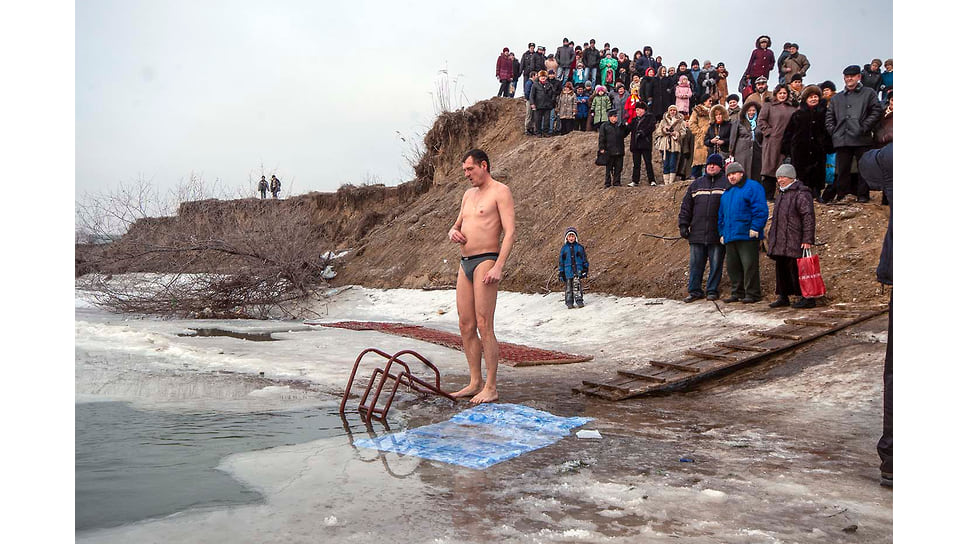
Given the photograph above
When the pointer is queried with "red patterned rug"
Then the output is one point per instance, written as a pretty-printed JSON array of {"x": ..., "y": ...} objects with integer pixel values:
[{"x": 510, "y": 354}]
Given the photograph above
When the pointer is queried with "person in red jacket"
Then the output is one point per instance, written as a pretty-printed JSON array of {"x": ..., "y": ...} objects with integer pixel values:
[
  {"x": 761, "y": 62},
  {"x": 505, "y": 72}
]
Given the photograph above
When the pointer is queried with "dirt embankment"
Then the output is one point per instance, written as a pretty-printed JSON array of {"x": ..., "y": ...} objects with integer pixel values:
[{"x": 398, "y": 234}]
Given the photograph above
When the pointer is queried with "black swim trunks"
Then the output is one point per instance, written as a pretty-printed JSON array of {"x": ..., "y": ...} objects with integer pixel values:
[{"x": 468, "y": 264}]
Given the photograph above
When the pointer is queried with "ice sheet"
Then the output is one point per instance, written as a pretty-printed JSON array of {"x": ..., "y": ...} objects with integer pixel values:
[{"x": 480, "y": 437}]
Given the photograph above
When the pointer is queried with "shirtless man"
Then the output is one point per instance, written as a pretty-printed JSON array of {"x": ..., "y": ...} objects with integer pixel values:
[{"x": 485, "y": 210}]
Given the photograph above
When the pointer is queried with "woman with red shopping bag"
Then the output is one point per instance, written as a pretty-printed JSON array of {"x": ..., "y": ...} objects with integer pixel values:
[{"x": 791, "y": 232}]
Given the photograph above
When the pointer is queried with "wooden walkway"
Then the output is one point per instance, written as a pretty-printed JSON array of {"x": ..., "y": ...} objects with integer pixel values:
[{"x": 699, "y": 364}]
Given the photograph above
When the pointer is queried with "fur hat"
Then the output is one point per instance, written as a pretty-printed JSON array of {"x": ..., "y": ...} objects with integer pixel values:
[
  {"x": 571, "y": 230},
  {"x": 732, "y": 97},
  {"x": 808, "y": 91},
  {"x": 735, "y": 166},
  {"x": 786, "y": 171},
  {"x": 828, "y": 85},
  {"x": 543, "y": 73}
]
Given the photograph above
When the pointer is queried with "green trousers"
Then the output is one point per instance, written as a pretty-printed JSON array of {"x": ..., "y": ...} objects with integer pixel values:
[{"x": 743, "y": 267}]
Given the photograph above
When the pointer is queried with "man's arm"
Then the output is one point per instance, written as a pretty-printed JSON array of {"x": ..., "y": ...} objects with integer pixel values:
[
  {"x": 505, "y": 210},
  {"x": 455, "y": 235}
]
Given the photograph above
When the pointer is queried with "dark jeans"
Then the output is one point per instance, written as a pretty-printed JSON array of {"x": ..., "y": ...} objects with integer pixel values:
[
  {"x": 787, "y": 276},
  {"x": 637, "y": 157},
  {"x": 542, "y": 121},
  {"x": 743, "y": 267},
  {"x": 885, "y": 446},
  {"x": 845, "y": 158},
  {"x": 696, "y": 172},
  {"x": 581, "y": 124},
  {"x": 505, "y": 89},
  {"x": 613, "y": 170},
  {"x": 699, "y": 255},
  {"x": 669, "y": 161},
  {"x": 573, "y": 292}
]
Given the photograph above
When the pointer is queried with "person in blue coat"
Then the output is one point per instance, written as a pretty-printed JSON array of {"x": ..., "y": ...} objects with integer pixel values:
[
  {"x": 742, "y": 216},
  {"x": 572, "y": 266}
]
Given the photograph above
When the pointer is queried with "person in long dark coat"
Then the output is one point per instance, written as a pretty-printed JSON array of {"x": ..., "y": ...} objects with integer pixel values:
[
  {"x": 775, "y": 116},
  {"x": 792, "y": 230},
  {"x": 807, "y": 142},
  {"x": 663, "y": 96},
  {"x": 746, "y": 139}
]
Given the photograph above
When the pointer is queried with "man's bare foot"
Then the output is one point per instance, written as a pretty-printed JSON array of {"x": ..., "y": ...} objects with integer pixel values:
[
  {"x": 486, "y": 395},
  {"x": 468, "y": 391}
]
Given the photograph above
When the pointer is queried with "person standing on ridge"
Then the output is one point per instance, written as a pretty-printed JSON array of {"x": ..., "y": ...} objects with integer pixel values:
[
  {"x": 263, "y": 187},
  {"x": 486, "y": 210},
  {"x": 275, "y": 186}
]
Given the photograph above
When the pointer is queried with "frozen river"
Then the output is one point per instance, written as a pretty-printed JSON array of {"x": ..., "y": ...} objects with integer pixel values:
[{"x": 227, "y": 439}]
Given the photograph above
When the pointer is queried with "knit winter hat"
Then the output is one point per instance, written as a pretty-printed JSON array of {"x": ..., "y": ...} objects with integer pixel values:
[
  {"x": 716, "y": 159},
  {"x": 735, "y": 167},
  {"x": 571, "y": 230},
  {"x": 786, "y": 171}
]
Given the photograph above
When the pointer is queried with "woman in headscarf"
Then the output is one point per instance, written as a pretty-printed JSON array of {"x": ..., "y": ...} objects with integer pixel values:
[
  {"x": 774, "y": 118},
  {"x": 745, "y": 139}
]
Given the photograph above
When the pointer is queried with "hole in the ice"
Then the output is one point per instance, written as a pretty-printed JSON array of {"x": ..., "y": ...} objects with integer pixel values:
[{"x": 253, "y": 336}]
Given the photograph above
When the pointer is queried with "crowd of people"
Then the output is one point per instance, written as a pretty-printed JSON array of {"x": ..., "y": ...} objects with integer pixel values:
[{"x": 688, "y": 113}]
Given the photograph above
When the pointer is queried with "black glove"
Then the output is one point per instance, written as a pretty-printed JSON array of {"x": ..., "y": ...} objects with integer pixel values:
[
  {"x": 584, "y": 274},
  {"x": 561, "y": 276},
  {"x": 684, "y": 232}
]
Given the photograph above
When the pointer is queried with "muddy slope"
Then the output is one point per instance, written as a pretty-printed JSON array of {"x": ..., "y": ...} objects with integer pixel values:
[{"x": 556, "y": 185}]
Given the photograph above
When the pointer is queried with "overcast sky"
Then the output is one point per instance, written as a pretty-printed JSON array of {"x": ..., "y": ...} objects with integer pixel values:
[{"x": 317, "y": 91}]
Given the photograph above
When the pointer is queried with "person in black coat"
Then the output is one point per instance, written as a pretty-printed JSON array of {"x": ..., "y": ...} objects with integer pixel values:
[
  {"x": 611, "y": 143},
  {"x": 647, "y": 87},
  {"x": 807, "y": 142},
  {"x": 516, "y": 73},
  {"x": 717, "y": 135},
  {"x": 877, "y": 167},
  {"x": 699, "y": 224},
  {"x": 640, "y": 144}
]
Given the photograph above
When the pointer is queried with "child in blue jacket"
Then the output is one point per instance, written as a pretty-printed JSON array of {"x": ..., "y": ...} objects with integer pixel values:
[{"x": 572, "y": 266}]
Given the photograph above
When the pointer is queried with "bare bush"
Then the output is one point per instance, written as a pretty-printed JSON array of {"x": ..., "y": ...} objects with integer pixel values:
[{"x": 248, "y": 258}]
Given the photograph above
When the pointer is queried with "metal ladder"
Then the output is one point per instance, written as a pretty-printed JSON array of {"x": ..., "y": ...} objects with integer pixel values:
[{"x": 403, "y": 375}]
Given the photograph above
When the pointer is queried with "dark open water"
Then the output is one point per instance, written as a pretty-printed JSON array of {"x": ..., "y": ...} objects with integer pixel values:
[{"x": 133, "y": 464}]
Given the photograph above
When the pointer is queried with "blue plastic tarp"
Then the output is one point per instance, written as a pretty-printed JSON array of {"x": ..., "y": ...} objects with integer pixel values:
[{"x": 480, "y": 437}]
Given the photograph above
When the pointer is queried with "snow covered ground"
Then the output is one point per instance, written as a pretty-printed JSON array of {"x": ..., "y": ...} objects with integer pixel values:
[{"x": 777, "y": 457}]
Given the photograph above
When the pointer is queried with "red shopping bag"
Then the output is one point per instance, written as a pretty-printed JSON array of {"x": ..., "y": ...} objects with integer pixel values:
[{"x": 811, "y": 283}]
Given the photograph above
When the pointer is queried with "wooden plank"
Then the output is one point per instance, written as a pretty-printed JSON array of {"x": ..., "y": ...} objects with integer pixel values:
[
  {"x": 773, "y": 334},
  {"x": 837, "y": 314},
  {"x": 605, "y": 386},
  {"x": 646, "y": 377},
  {"x": 676, "y": 366},
  {"x": 670, "y": 376},
  {"x": 742, "y": 347},
  {"x": 709, "y": 355},
  {"x": 810, "y": 322}
]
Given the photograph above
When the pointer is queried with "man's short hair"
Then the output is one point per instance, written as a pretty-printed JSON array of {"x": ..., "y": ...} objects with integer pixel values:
[{"x": 478, "y": 156}]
